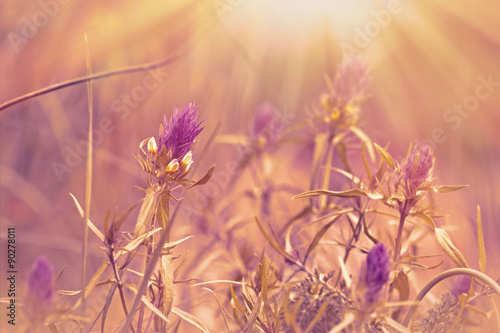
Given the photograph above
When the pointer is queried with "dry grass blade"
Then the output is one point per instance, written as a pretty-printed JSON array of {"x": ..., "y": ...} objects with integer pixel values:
[
  {"x": 88, "y": 174},
  {"x": 352, "y": 193},
  {"x": 480, "y": 240},
  {"x": 253, "y": 316},
  {"x": 146, "y": 213},
  {"x": 319, "y": 235},
  {"x": 154, "y": 309},
  {"x": 448, "y": 188},
  {"x": 366, "y": 140},
  {"x": 206, "y": 177},
  {"x": 385, "y": 155},
  {"x": 136, "y": 242},
  {"x": 91, "y": 225},
  {"x": 446, "y": 244},
  {"x": 427, "y": 219},
  {"x": 274, "y": 245},
  {"x": 220, "y": 307},
  {"x": 91, "y": 285},
  {"x": 190, "y": 319}
]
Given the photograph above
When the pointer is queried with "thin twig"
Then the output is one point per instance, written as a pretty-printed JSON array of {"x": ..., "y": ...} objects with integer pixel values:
[
  {"x": 101, "y": 75},
  {"x": 120, "y": 287}
]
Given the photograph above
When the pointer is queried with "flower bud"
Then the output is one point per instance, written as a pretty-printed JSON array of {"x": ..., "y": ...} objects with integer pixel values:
[
  {"x": 172, "y": 166},
  {"x": 152, "y": 146}
]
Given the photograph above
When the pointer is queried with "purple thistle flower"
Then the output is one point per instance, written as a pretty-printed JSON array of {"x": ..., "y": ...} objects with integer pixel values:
[
  {"x": 352, "y": 80},
  {"x": 376, "y": 272},
  {"x": 416, "y": 170},
  {"x": 178, "y": 135},
  {"x": 40, "y": 281}
]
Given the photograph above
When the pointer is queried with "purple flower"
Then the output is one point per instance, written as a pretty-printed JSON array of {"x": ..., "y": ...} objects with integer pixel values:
[
  {"x": 376, "y": 272},
  {"x": 416, "y": 170},
  {"x": 178, "y": 135},
  {"x": 460, "y": 286},
  {"x": 352, "y": 80},
  {"x": 264, "y": 120},
  {"x": 40, "y": 281}
]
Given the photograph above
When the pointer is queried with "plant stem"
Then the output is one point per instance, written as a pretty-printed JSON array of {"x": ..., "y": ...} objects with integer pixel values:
[
  {"x": 101, "y": 75},
  {"x": 119, "y": 284},
  {"x": 397, "y": 248}
]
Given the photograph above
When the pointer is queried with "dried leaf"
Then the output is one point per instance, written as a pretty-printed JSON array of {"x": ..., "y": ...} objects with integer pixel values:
[
  {"x": 366, "y": 140},
  {"x": 319, "y": 235},
  {"x": 136, "y": 242},
  {"x": 275, "y": 245},
  {"x": 205, "y": 178},
  {"x": 448, "y": 188},
  {"x": 427, "y": 219},
  {"x": 167, "y": 278},
  {"x": 148, "y": 209},
  {"x": 220, "y": 307},
  {"x": 90, "y": 224},
  {"x": 190, "y": 319},
  {"x": 447, "y": 245},
  {"x": 163, "y": 211},
  {"x": 235, "y": 300},
  {"x": 253, "y": 316},
  {"x": 385, "y": 155},
  {"x": 92, "y": 283},
  {"x": 355, "y": 192},
  {"x": 482, "y": 250},
  {"x": 420, "y": 266},
  {"x": 154, "y": 309}
]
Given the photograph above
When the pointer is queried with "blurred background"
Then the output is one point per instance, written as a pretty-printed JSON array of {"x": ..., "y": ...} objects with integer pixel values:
[{"x": 435, "y": 79}]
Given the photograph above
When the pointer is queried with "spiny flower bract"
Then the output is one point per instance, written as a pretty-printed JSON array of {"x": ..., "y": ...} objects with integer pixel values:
[{"x": 178, "y": 134}]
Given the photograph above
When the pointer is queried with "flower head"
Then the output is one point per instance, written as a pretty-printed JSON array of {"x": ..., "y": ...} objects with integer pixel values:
[
  {"x": 376, "y": 272},
  {"x": 178, "y": 135},
  {"x": 39, "y": 301},
  {"x": 373, "y": 279},
  {"x": 40, "y": 281},
  {"x": 347, "y": 91},
  {"x": 415, "y": 173},
  {"x": 172, "y": 158},
  {"x": 352, "y": 81}
]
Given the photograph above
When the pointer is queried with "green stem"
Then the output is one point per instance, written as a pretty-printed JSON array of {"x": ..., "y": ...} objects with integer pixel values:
[{"x": 444, "y": 275}]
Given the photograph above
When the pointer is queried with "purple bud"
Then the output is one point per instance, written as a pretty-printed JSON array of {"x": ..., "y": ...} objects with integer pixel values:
[
  {"x": 416, "y": 171},
  {"x": 264, "y": 121},
  {"x": 461, "y": 285},
  {"x": 179, "y": 134},
  {"x": 40, "y": 281},
  {"x": 376, "y": 273}
]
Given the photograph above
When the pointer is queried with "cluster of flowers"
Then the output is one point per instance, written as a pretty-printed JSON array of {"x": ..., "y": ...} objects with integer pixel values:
[{"x": 297, "y": 297}]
